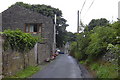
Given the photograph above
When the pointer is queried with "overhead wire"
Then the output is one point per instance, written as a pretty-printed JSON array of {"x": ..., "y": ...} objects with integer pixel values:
[
  {"x": 86, "y": 11},
  {"x": 89, "y": 8},
  {"x": 80, "y": 15},
  {"x": 82, "y": 6}
]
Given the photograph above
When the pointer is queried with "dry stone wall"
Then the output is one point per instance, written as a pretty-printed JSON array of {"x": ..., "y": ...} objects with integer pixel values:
[{"x": 14, "y": 61}]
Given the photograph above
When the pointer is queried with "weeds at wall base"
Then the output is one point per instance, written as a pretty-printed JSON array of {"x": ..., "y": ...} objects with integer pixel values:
[{"x": 102, "y": 69}]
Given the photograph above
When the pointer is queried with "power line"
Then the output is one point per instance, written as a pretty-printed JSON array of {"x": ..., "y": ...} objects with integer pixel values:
[
  {"x": 85, "y": 14},
  {"x": 80, "y": 15},
  {"x": 89, "y": 8},
  {"x": 83, "y": 6}
]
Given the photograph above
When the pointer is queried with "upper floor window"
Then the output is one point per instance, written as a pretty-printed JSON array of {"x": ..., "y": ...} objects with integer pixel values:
[{"x": 33, "y": 28}]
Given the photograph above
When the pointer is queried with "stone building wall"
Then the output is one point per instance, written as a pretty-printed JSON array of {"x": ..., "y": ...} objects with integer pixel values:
[
  {"x": 14, "y": 18},
  {"x": 17, "y": 16}
]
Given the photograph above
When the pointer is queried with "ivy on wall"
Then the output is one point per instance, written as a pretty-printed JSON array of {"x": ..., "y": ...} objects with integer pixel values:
[{"x": 18, "y": 40}]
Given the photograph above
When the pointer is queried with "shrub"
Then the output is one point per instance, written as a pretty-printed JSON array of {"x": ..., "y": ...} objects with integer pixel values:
[
  {"x": 115, "y": 50},
  {"x": 73, "y": 48},
  {"x": 19, "y": 41},
  {"x": 100, "y": 37}
]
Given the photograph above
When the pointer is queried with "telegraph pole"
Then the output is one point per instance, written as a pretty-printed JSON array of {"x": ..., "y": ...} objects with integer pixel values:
[{"x": 78, "y": 26}]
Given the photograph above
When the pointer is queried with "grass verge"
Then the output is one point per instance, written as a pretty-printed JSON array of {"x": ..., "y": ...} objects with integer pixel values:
[
  {"x": 29, "y": 71},
  {"x": 103, "y": 69}
]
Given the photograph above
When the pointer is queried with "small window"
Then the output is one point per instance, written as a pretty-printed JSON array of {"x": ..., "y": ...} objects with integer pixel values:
[{"x": 33, "y": 28}]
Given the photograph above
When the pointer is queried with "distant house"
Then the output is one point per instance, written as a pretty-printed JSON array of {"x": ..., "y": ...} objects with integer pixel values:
[{"x": 18, "y": 17}]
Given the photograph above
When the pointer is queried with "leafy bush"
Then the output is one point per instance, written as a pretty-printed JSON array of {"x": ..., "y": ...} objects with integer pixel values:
[
  {"x": 19, "y": 41},
  {"x": 100, "y": 37},
  {"x": 93, "y": 44},
  {"x": 73, "y": 48},
  {"x": 83, "y": 41},
  {"x": 114, "y": 49}
]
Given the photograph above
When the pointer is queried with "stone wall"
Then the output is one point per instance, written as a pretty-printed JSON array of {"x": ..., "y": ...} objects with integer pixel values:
[
  {"x": 14, "y": 61},
  {"x": 0, "y": 56},
  {"x": 0, "y": 47},
  {"x": 43, "y": 52}
]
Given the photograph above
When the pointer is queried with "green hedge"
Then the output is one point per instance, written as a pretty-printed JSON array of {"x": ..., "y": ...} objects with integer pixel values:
[{"x": 18, "y": 40}]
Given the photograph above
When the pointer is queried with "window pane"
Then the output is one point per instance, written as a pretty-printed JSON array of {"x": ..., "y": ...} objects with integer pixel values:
[
  {"x": 27, "y": 29},
  {"x": 40, "y": 28},
  {"x": 31, "y": 28},
  {"x": 35, "y": 28}
]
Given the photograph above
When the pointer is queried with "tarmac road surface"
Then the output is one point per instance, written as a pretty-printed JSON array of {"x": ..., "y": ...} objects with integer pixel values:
[{"x": 63, "y": 66}]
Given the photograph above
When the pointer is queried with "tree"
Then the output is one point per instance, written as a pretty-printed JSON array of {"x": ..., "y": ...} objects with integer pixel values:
[{"x": 97, "y": 22}]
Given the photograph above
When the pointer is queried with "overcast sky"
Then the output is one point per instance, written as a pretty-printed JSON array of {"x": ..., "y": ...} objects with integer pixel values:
[{"x": 100, "y": 9}]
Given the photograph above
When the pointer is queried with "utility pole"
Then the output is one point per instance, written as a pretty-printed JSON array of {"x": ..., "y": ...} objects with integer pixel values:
[
  {"x": 78, "y": 27},
  {"x": 54, "y": 42}
]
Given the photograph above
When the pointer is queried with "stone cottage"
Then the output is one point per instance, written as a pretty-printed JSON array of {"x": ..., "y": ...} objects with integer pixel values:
[{"x": 18, "y": 17}]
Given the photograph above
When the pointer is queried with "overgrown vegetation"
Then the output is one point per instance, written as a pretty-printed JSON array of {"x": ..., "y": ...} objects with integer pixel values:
[
  {"x": 18, "y": 40},
  {"x": 95, "y": 42},
  {"x": 104, "y": 69}
]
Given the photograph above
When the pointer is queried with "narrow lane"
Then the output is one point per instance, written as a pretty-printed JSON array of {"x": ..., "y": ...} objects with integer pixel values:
[{"x": 63, "y": 67}]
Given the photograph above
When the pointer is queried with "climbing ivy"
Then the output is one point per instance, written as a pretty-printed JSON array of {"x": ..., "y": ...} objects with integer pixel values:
[{"x": 18, "y": 40}]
